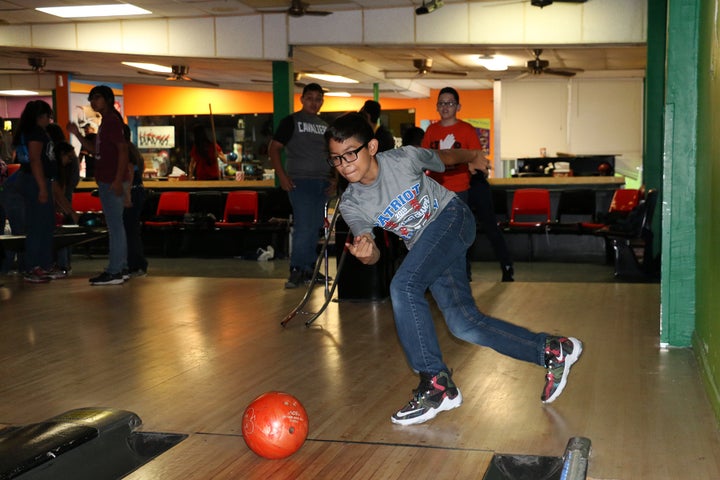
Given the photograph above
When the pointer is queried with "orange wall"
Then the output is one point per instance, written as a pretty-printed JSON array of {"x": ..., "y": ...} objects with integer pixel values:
[{"x": 150, "y": 100}]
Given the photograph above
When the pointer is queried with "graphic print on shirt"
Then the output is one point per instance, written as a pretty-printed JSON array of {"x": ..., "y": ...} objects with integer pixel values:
[
  {"x": 307, "y": 127},
  {"x": 406, "y": 213}
]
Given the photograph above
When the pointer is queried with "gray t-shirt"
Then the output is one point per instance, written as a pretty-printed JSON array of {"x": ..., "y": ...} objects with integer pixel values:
[
  {"x": 402, "y": 200},
  {"x": 302, "y": 134}
]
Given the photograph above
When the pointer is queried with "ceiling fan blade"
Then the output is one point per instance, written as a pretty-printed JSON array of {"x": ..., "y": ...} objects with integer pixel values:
[
  {"x": 204, "y": 82},
  {"x": 447, "y": 72},
  {"x": 563, "y": 73},
  {"x": 161, "y": 75},
  {"x": 316, "y": 13}
]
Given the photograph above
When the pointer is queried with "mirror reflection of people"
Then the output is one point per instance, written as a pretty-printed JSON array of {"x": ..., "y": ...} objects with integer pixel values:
[{"x": 204, "y": 156}]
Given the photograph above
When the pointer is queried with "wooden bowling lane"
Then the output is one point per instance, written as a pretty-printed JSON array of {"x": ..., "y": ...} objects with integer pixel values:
[{"x": 188, "y": 354}]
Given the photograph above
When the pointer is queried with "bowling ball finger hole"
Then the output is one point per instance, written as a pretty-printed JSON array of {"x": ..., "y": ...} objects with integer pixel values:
[{"x": 291, "y": 430}]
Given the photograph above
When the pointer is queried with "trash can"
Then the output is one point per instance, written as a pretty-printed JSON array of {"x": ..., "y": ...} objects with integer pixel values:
[{"x": 358, "y": 282}]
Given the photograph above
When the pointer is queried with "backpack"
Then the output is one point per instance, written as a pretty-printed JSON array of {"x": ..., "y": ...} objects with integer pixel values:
[{"x": 21, "y": 152}]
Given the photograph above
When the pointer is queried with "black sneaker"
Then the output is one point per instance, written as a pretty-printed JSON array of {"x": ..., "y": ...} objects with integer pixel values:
[
  {"x": 508, "y": 273},
  {"x": 307, "y": 278},
  {"x": 106, "y": 278},
  {"x": 433, "y": 395},
  {"x": 295, "y": 279},
  {"x": 560, "y": 354}
]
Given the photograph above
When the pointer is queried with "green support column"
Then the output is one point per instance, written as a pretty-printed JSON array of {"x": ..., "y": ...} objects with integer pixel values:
[
  {"x": 678, "y": 294},
  {"x": 283, "y": 85}
]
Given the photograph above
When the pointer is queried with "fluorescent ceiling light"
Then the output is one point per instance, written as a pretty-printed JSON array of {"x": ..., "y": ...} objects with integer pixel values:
[
  {"x": 330, "y": 78},
  {"x": 337, "y": 94},
  {"x": 86, "y": 11},
  {"x": 153, "y": 67},
  {"x": 19, "y": 93},
  {"x": 495, "y": 63}
]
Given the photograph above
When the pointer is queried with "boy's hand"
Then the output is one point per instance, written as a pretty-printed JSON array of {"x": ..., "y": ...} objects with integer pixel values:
[
  {"x": 479, "y": 163},
  {"x": 364, "y": 249}
]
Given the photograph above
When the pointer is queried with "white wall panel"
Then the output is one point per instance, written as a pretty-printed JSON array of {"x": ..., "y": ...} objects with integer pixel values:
[
  {"x": 389, "y": 25},
  {"x": 339, "y": 28},
  {"x": 15, "y": 35},
  {"x": 99, "y": 36},
  {"x": 146, "y": 36},
  {"x": 275, "y": 36},
  {"x": 192, "y": 37},
  {"x": 56, "y": 35},
  {"x": 239, "y": 37}
]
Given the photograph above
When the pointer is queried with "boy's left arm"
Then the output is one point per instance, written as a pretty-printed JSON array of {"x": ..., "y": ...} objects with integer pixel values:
[
  {"x": 364, "y": 249},
  {"x": 475, "y": 159}
]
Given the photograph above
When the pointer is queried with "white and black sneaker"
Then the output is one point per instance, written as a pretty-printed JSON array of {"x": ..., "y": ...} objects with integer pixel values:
[
  {"x": 107, "y": 278},
  {"x": 433, "y": 395}
]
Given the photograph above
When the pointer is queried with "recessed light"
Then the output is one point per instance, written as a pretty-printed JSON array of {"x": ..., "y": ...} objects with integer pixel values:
[
  {"x": 495, "y": 63},
  {"x": 19, "y": 93},
  {"x": 153, "y": 67},
  {"x": 86, "y": 11},
  {"x": 330, "y": 78},
  {"x": 337, "y": 94}
]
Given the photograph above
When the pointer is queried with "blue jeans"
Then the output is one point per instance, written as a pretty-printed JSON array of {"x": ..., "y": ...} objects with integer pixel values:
[
  {"x": 39, "y": 223},
  {"x": 113, "y": 206},
  {"x": 131, "y": 220},
  {"x": 308, "y": 200},
  {"x": 437, "y": 262}
]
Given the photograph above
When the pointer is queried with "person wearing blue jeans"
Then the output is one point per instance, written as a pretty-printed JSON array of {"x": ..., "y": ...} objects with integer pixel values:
[
  {"x": 306, "y": 177},
  {"x": 113, "y": 179},
  {"x": 390, "y": 190}
]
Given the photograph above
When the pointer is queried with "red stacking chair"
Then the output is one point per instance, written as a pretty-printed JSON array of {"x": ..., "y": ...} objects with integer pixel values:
[
  {"x": 85, "y": 202},
  {"x": 241, "y": 210},
  {"x": 171, "y": 210},
  {"x": 624, "y": 200},
  {"x": 530, "y": 211}
]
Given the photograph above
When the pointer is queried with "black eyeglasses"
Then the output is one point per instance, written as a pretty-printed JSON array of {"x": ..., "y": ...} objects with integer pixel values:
[
  {"x": 349, "y": 157},
  {"x": 446, "y": 104}
]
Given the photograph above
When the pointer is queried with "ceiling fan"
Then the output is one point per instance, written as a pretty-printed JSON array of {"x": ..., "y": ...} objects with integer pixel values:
[
  {"x": 298, "y": 8},
  {"x": 423, "y": 66},
  {"x": 538, "y": 66},
  {"x": 180, "y": 72},
  {"x": 37, "y": 65}
]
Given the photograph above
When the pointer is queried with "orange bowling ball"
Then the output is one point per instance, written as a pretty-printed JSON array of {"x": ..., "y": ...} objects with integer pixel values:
[{"x": 275, "y": 425}]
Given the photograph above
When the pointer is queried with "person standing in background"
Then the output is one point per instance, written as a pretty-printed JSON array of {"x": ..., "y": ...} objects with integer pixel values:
[
  {"x": 35, "y": 152},
  {"x": 451, "y": 132},
  {"x": 204, "y": 155},
  {"x": 112, "y": 177},
  {"x": 385, "y": 139},
  {"x": 306, "y": 177},
  {"x": 136, "y": 261}
]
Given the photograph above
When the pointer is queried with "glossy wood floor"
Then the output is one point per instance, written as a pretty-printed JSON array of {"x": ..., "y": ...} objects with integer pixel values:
[{"x": 188, "y": 353}]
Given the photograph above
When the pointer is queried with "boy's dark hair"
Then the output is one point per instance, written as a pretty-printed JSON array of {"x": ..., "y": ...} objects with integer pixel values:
[
  {"x": 313, "y": 87},
  {"x": 372, "y": 108},
  {"x": 413, "y": 136},
  {"x": 348, "y": 126},
  {"x": 452, "y": 92}
]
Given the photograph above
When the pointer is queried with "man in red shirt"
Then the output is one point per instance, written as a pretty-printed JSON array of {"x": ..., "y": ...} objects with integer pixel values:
[{"x": 451, "y": 132}]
